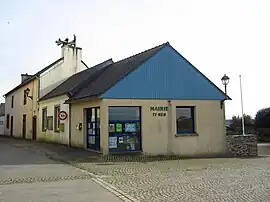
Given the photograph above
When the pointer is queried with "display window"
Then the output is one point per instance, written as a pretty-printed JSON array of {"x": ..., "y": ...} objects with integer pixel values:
[{"x": 124, "y": 129}]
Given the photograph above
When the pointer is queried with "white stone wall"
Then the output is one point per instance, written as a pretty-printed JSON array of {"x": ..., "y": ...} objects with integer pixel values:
[
  {"x": 57, "y": 74},
  {"x": 51, "y": 135}
]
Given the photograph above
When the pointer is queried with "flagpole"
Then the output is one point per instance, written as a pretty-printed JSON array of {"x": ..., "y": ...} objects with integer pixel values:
[{"x": 241, "y": 93}]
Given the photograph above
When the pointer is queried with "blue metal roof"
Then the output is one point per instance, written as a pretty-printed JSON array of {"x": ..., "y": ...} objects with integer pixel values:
[{"x": 166, "y": 75}]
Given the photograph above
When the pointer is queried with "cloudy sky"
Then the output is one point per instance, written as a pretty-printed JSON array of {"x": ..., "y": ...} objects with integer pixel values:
[{"x": 217, "y": 36}]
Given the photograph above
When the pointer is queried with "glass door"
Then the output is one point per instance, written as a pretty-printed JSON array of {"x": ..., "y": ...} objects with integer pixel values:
[{"x": 93, "y": 128}]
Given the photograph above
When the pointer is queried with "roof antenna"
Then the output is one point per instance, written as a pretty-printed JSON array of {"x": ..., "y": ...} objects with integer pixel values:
[{"x": 66, "y": 42}]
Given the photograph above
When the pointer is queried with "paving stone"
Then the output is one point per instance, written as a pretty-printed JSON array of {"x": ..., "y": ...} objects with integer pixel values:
[{"x": 227, "y": 179}]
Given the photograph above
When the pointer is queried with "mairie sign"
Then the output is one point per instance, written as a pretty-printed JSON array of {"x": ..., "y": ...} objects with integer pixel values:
[{"x": 159, "y": 110}]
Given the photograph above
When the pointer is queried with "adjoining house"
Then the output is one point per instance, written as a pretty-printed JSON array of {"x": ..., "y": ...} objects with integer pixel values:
[
  {"x": 155, "y": 102},
  {"x": 2, "y": 118},
  {"x": 22, "y": 106},
  {"x": 54, "y": 128}
]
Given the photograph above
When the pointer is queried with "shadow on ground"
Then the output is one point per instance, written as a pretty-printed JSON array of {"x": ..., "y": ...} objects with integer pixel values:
[{"x": 10, "y": 146}]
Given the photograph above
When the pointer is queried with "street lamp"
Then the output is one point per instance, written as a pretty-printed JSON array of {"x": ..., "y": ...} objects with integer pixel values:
[
  {"x": 27, "y": 91},
  {"x": 225, "y": 80}
]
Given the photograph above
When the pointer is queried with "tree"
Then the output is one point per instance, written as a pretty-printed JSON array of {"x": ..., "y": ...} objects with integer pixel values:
[
  {"x": 236, "y": 124},
  {"x": 262, "y": 118},
  {"x": 237, "y": 121},
  {"x": 262, "y": 124}
]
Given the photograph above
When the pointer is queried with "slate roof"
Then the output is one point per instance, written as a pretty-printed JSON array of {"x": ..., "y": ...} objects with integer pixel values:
[
  {"x": 74, "y": 83},
  {"x": 37, "y": 75},
  {"x": 34, "y": 76},
  {"x": 113, "y": 74}
]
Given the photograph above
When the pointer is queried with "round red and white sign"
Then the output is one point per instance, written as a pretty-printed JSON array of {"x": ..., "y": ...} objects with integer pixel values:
[{"x": 62, "y": 115}]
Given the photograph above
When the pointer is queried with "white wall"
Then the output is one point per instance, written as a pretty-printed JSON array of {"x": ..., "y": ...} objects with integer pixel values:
[
  {"x": 54, "y": 76},
  {"x": 51, "y": 135},
  {"x": 2, "y": 125}
]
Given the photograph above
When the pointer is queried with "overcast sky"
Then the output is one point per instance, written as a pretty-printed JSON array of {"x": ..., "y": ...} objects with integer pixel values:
[{"x": 217, "y": 36}]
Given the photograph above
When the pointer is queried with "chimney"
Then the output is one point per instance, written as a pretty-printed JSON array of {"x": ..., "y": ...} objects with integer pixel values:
[
  {"x": 25, "y": 77},
  {"x": 72, "y": 55}
]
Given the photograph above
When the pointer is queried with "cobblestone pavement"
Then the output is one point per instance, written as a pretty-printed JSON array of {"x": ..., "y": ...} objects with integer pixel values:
[
  {"x": 240, "y": 180},
  {"x": 214, "y": 180},
  {"x": 28, "y": 175}
]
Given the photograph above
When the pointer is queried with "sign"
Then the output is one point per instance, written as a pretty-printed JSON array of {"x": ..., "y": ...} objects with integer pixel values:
[
  {"x": 159, "y": 110},
  {"x": 62, "y": 115},
  {"x": 119, "y": 128},
  {"x": 112, "y": 142}
]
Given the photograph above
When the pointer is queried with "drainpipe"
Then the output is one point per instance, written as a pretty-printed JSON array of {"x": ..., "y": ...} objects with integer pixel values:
[
  {"x": 169, "y": 144},
  {"x": 69, "y": 125}
]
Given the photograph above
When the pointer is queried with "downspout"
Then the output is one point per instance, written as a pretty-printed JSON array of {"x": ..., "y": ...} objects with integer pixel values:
[
  {"x": 69, "y": 126},
  {"x": 169, "y": 144}
]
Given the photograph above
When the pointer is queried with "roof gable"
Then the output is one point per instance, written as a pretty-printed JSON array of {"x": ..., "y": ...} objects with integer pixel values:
[
  {"x": 34, "y": 76},
  {"x": 74, "y": 83},
  {"x": 166, "y": 75},
  {"x": 114, "y": 73}
]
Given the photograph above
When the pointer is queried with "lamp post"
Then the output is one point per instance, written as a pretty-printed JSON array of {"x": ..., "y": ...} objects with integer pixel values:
[
  {"x": 225, "y": 80},
  {"x": 27, "y": 91}
]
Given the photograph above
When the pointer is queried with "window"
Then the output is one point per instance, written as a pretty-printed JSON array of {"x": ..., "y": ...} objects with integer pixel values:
[
  {"x": 124, "y": 129},
  {"x": 185, "y": 120},
  {"x": 12, "y": 101},
  {"x": 56, "y": 120},
  {"x": 24, "y": 97},
  {"x": 44, "y": 119},
  {"x": 50, "y": 122},
  {"x": 7, "y": 122},
  {"x": 124, "y": 113}
]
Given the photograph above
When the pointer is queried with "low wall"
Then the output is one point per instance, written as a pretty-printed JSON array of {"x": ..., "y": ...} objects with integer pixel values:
[{"x": 242, "y": 145}]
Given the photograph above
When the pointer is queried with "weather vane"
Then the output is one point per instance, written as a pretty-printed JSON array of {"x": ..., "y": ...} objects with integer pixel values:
[{"x": 66, "y": 42}]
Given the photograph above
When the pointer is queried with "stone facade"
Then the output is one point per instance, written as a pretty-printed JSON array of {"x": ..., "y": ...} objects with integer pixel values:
[{"x": 242, "y": 145}]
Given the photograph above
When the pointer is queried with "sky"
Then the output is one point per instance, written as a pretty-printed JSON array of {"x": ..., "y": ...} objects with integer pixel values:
[{"x": 217, "y": 36}]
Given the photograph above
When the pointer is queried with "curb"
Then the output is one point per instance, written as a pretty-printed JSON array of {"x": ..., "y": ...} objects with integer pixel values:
[{"x": 120, "y": 194}]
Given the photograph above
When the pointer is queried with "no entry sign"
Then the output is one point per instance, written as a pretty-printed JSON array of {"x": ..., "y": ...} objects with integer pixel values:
[{"x": 62, "y": 115}]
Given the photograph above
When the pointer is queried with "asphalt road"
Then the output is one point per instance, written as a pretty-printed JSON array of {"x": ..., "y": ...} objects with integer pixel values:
[{"x": 28, "y": 175}]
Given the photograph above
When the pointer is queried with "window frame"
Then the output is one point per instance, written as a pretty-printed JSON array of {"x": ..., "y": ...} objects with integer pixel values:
[
  {"x": 12, "y": 101},
  {"x": 44, "y": 119},
  {"x": 185, "y": 132},
  {"x": 24, "y": 98},
  {"x": 7, "y": 121},
  {"x": 56, "y": 119},
  {"x": 49, "y": 118}
]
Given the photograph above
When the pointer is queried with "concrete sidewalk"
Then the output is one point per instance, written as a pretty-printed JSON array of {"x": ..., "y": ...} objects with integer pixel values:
[{"x": 27, "y": 174}]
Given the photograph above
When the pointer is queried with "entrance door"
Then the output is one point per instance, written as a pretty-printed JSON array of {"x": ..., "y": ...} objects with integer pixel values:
[
  {"x": 11, "y": 126},
  {"x": 93, "y": 128},
  {"x": 24, "y": 126},
  {"x": 34, "y": 128}
]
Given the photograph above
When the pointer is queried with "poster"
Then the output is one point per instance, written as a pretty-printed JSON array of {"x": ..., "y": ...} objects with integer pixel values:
[
  {"x": 111, "y": 128},
  {"x": 131, "y": 143},
  {"x": 119, "y": 128},
  {"x": 91, "y": 139},
  {"x": 130, "y": 127},
  {"x": 112, "y": 142},
  {"x": 90, "y": 131},
  {"x": 121, "y": 140}
]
